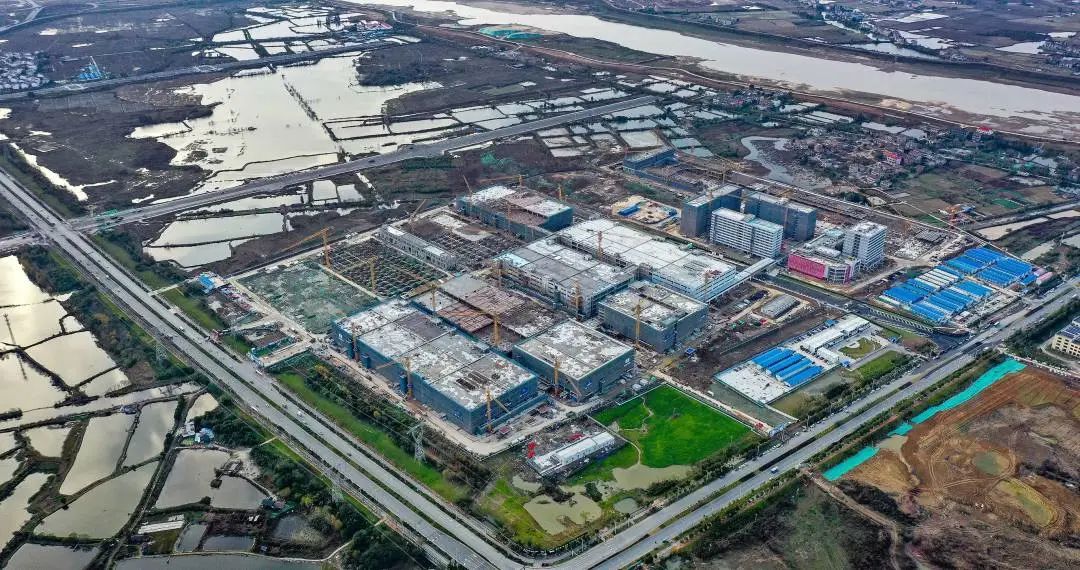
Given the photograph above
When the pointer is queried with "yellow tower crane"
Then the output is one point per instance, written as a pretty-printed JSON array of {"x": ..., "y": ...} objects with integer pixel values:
[
  {"x": 324, "y": 234},
  {"x": 490, "y": 418}
]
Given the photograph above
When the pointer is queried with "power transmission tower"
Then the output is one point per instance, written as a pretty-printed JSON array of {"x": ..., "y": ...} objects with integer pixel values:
[{"x": 417, "y": 433}]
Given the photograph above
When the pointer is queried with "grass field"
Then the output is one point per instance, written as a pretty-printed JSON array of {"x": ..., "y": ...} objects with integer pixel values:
[
  {"x": 881, "y": 365},
  {"x": 866, "y": 346},
  {"x": 194, "y": 308},
  {"x": 671, "y": 428},
  {"x": 374, "y": 437}
]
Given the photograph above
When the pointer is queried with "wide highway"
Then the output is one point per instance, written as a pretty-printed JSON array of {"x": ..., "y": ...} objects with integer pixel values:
[
  {"x": 341, "y": 456},
  {"x": 257, "y": 392},
  {"x": 407, "y": 152},
  {"x": 642, "y": 539}
]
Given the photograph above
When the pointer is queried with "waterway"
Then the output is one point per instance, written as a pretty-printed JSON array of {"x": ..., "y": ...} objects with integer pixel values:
[
  {"x": 204, "y": 561},
  {"x": 189, "y": 481},
  {"x": 103, "y": 510},
  {"x": 39, "y": 556},
  {"x": 1056, "y": 113},
  {"x": 981, "y": 383}
]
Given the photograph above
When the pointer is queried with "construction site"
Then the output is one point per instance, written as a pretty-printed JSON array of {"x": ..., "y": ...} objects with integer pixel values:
[{"x": 983, "y": 472}]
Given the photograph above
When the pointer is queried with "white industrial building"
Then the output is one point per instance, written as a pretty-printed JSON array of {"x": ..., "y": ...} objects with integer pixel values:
[
  {"x": 746, "y": 233},
  {"x": 865, "y": 241},
  {"x": 695, "y": 274},
  {"x": 573, "y": 455}
]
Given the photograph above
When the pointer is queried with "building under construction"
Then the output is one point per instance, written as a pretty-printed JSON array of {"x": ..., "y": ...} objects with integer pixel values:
[
  {"x": 519, "y": 211},
  {"x": 695, "y": 274},
  {"x": 568, "y": 279},
  {"x": 447, "y": 241},
  {"x": 578, "y": 362},
  {"x": 430, "y": 361},
  {"x": 500, "y": 317},
  {"x": 654, "y": 316}
]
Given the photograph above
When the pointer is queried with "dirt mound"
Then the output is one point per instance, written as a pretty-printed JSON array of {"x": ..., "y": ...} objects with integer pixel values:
[{"x": 992, "y": 474}]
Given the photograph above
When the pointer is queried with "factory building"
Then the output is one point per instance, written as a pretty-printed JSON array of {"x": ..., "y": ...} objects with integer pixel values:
[
  {"x": 824, "y": 259},
  {"x": 799, "y": 221},
  {"x": 697, "y": 212},
  {"x": 522, "y": 212},
  {"x": 570, "y": 457},
  {"x": 444, "y": 370},
  {"x": 865, "y": 241},
  {"x": 1067, "y": 340},
  {"x": 562, "y": 276},
  {"x": 649, "y": 159},
  {"x": 576, "y": 360},
  {"x": 417, "y": 247},
  {"x": 660, "y": 318},
  {"x": 746, "y": 233},
  {"x": 496, "y": 315},
  {"x": 446, "y": 240},
  {"x": 695, "y": 274}
]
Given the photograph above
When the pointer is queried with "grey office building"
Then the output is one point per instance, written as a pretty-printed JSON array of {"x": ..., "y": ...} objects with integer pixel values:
[
  {"x": 696, "y": 212},
  {"x": 799, "y": 221}
]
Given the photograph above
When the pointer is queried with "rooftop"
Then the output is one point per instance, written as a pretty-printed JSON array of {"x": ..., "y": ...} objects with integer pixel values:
[
  {"x": 1072, "y": 332},
  {"x": 765, "y": 225},
  {"x": 635, "y": 247},
  {"x": 457, "y": 366},
  {"x": 579, "y": 350},
  {"x": 498, "y": 197},
  {"x": 548, "y": 260},
  {"x": 659, "y": 306},
  {"x": 866, "y": 227},
  {"x": 714, "y": 193}
]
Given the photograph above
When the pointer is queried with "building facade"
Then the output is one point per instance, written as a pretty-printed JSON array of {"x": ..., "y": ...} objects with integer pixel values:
[
  {"x": 865, "y": 242},
  {"x": 1067, "y": 341},
  {"x": 799, "y": 221},
  {"x": 697, "y": 212},
  {"x": 746, "y": 233},
  {"x": 657, "y": 317}
]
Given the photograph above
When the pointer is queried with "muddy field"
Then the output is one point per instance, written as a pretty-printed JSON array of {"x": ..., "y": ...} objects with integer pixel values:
[
  {"x": 991, "y": 482},
  {"x": 125, "y": 43},
  {"x": 729, "y": 349}
]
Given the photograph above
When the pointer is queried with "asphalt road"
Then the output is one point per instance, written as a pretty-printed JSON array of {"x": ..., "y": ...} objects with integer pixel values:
[
  {"x": 257, "y": 392},
  {"x": 276, "y": 183},
  {"x": 447, "y": 533},
  {"x": 635, "y": 543}
]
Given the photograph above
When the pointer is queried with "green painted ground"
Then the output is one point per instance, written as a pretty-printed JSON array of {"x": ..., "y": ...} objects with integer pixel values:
[{"x": 672, "y": 428}]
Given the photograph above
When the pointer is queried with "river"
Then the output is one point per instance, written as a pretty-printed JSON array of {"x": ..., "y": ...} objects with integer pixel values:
[{"x": 1006, "y": 107}]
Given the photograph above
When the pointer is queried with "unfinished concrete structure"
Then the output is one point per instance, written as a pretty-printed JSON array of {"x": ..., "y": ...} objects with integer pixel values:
[
  {"x": 657, "y": 317},
  {"x": 441, "y": 368},
  {"x": 564, "y": 277},
  {"x": 383, "y": 270},
  {"x": 520, "y": 211},
  {"x": 498, "y": 316},
  {"x": 447, "y": 241},
  {"x": 695, "y": 274},
  {"x": 577, "y": 361}
]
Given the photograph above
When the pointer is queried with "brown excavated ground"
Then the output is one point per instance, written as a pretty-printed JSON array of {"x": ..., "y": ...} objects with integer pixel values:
[{"x": 991, "y": 483}]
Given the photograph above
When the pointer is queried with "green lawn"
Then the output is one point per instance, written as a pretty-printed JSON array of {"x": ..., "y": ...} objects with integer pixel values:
[
  {"x": 672, "y": 428},
  {"x": 194, "y": 308},
  {"x": 373, "y": 437},
  {"x": 881, "y": 365},
  {"x": 866, "y": 346}
]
